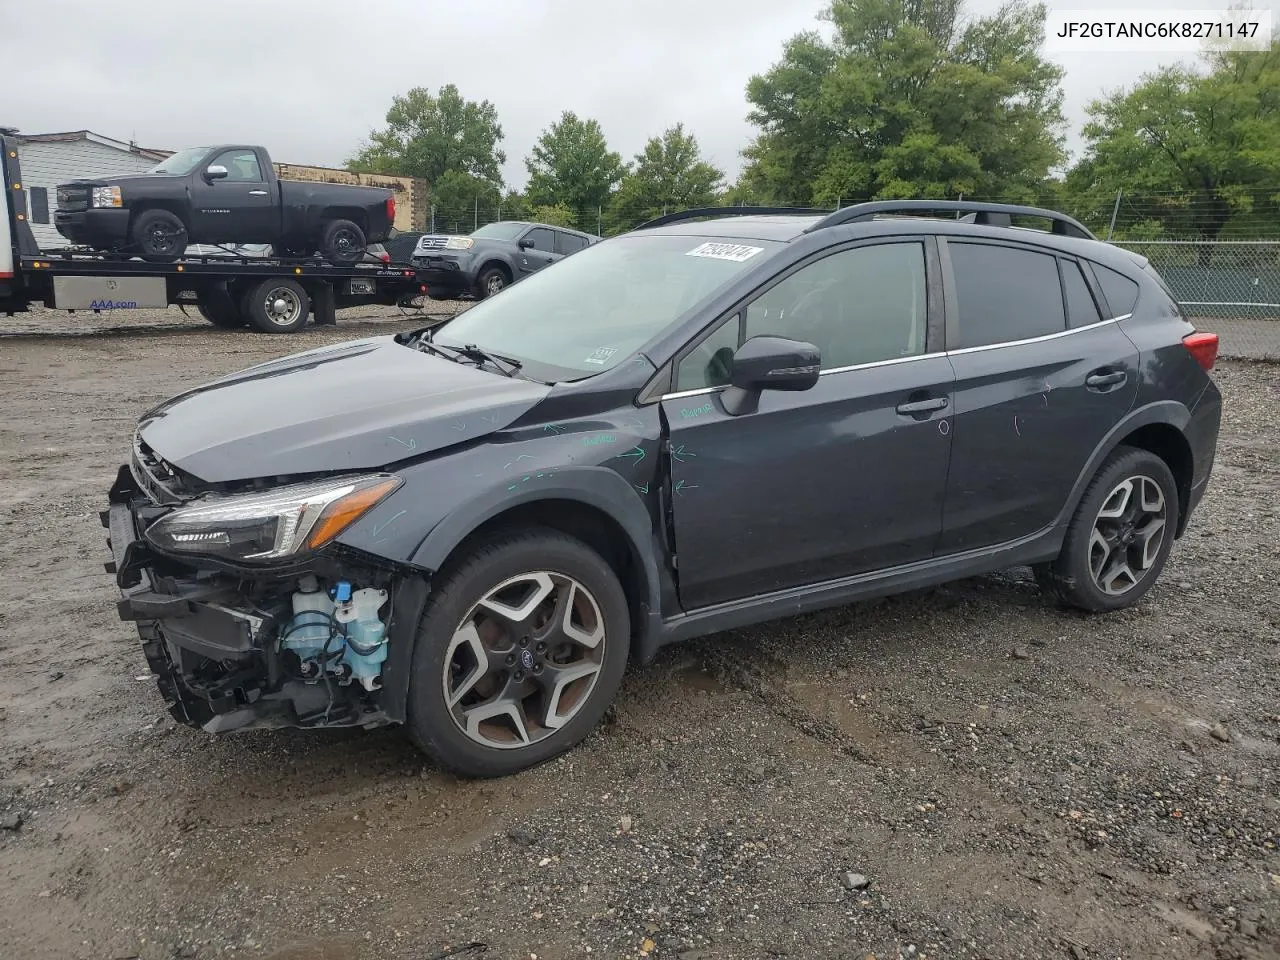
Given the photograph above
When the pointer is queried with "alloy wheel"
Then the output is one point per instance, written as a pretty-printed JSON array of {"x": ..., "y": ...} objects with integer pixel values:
[
  {"x": 495, "y": 285},
  {"x": 524, "y": 660},
  {"x": 1127, "y": 535}
]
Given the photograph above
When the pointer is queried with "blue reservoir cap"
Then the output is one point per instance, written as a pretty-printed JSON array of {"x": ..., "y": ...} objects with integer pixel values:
[{"x": 341, "y": 591}]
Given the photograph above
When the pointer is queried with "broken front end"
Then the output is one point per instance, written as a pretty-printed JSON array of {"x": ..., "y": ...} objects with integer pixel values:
[{"x": 249, "y": 611}]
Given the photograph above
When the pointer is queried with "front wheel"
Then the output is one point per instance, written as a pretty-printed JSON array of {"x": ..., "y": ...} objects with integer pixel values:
[
  {"x": 1120, "y": 536},
  {"x": 491, "y": 283},
  {"x": 519, "y": 653},
  {"x": 159, "y": 236}
]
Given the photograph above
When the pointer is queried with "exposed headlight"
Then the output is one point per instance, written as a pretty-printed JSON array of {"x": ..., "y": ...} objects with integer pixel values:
[
  {"x": 106, "y": 196},
  {"x": 459, "y": 243},
  {"x": 274, "y": 524}
]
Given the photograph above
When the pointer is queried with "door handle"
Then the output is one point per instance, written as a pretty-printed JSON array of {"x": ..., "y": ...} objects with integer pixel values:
[
  {"x": 1100, "y": 381},
  {"x": 914, "y": 407},
  {"x": 257, "y": 193}
]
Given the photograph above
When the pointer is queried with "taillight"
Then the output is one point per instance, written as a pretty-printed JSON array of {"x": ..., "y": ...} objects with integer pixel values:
[
  {"x": 386, "y": 257},
  {"x": 1202, "y": 346},
  {"x": 391, "y": 209}
]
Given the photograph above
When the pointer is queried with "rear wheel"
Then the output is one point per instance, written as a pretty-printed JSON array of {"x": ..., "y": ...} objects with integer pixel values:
[
  {"x": 1120, "y": 536},
  {"x": 343, "y": 242},
  {"x": 519, "y": 653},
  {"x": 159, "y": 236},
  {"x": 224, "y": 315},
  {"x": 277, "y": 306}
]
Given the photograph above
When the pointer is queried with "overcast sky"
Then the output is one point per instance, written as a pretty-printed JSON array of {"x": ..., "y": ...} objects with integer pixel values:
[{"x": 309, "y": 78}]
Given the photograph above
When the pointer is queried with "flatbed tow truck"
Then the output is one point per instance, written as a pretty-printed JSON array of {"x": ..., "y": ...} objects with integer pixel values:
[{"x": 270, "y": 294}]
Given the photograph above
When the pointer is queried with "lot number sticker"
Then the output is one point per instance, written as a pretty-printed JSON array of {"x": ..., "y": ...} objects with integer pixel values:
[
  {"x": 736, "y": 252},
  {"x": 602, "y": 356}
]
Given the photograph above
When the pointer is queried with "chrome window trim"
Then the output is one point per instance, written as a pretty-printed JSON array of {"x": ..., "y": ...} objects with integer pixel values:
[
  {"x": 923, "y": 356},
  {"x": 1039, "y": 339},
  {"x": 857, "y": 366}
]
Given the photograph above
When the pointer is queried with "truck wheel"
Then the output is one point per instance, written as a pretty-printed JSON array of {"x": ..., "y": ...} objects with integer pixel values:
[
  {"x": 277, "y": 306},
  {"x": 490, "y": 282},
  {"x": 225, "y": 316},
  {"x": 343, "y": 242},
  {"x": 159, "y": 236}
]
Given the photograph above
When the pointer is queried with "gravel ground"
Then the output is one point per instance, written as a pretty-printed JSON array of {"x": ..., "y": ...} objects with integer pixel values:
[{"x": 964, "y": 772}]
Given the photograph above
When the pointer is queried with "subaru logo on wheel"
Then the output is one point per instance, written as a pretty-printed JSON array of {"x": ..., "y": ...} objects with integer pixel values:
[{"x": 526, "y": 659}]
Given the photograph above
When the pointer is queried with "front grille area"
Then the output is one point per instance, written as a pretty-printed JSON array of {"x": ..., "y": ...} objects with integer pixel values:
[
  {"x": 163, "y": 483},
  {"x": 71, "y": 199},
  {"x": 432, "y": 243}
]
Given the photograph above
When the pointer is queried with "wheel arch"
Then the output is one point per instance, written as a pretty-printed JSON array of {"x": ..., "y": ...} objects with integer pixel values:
[
  {"x": 169, "y": 206},
  {"x": 1158, "y": 428},
  {"x": 500, "y": 263},
  {"x": 357, "y": 216}
]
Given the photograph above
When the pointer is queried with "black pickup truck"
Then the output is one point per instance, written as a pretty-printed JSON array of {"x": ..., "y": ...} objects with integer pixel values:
[{"x": 222, "y": 194}]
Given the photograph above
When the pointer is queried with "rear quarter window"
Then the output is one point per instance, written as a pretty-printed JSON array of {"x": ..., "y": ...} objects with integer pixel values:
[{"x": 1120, "y": 291}]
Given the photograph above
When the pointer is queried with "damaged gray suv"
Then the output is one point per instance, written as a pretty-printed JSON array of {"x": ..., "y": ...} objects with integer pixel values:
[{"x": 720, "y": 418}]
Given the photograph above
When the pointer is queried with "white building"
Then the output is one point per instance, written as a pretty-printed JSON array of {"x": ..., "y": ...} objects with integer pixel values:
[{"x": 49, "y": 159}]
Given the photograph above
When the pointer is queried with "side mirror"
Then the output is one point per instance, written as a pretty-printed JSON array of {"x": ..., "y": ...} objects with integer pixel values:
[
  {"x": 770, "y": 363},
  {"x": 526, "y": 243},
  {"x": 216, "y": 172}
]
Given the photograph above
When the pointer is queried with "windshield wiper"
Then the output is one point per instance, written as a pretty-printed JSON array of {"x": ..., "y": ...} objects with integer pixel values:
[{"x": 505, "y": 365}]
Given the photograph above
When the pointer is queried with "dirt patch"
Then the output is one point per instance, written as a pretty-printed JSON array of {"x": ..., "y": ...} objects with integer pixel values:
[{"x": 1074, "y": 800}]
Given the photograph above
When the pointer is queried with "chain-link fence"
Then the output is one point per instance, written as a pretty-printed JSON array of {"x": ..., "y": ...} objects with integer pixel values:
[{"x": 1229, "y": 287}]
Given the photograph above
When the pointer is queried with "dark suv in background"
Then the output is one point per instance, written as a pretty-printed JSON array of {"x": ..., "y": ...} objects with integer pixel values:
[
  {"x": 720, "y": 418},
  {"x": 491, "y": 258}
]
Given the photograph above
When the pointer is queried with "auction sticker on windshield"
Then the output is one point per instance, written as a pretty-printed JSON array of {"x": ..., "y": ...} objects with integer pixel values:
[
  {"x": 725, "y": 251},
  {"x": 602, "y": 356}
]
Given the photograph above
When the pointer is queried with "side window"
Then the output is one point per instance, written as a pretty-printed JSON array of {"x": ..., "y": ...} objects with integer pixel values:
[
  {"x": 1081, "y": 308},
  {"x": 860, "y": 305},
  {"x": 1005, "y": 294},
  {"x": 567, "y": 243},
  {"x": 542, "y": 239},
  {"x": 710, "y": 362},
  {"x": 1120, "y": 291},
  {"x": 242, "y": 165}
]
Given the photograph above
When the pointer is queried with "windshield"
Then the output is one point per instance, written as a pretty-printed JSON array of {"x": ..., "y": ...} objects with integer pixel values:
[
  {"x": 593, "y": 310},
  {"x": 182, "y": 162},
  {"x": 500, "y": 231}
]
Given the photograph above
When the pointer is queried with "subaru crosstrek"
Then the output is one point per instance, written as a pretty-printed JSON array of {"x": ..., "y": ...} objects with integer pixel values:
[{"x": 717, "y": 419}]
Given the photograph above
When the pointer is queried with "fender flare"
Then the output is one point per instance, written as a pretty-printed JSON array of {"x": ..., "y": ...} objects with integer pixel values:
[
  {"x": 597, "y": 487},
  {"x": 1168, "y": 412}
]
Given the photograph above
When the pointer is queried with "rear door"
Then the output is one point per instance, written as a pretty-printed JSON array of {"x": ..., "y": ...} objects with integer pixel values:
[
  {"x": 568, "y": 243},
  {"x": 539, "y": 252},
  {"x": 1042, "y": 375},
  {"x": 239, "y": 208},
  {"x": 843, "y": 478}
]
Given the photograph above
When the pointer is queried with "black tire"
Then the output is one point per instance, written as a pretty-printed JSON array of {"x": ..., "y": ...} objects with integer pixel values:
[
  {"x": 492, "y": 281},
  {"x": 1070, "y": 578},
  {"x": 343, "y": 242},
  {"x": 158, "y": 236},
  {"x": 430, "y": 720},
  {"x": 223, "y": 314},
  {"x": 277, "y": 306}
]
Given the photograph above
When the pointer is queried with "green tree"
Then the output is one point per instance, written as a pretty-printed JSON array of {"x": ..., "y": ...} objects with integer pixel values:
[
  {"x": 669, "y": 174},
  {"x": 463, "y": 201},
  {"x": 557, "y": 215},
  {"x": 903, "y": 100},
  {"x": 572, "y": 165},
  {"x": 1196, "y": 153},
  {"x": 430, "y": 135}
]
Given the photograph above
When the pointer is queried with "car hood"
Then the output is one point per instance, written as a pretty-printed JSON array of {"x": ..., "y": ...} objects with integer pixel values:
[
  {"x": 122, "y": 178},
  {"x": 360, "y": 405}
]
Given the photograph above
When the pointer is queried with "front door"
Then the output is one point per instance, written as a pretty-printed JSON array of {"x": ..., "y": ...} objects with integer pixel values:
[
  {"x": 844, "y": 478},
  {"x": 239, "y": 208},
  {"x": 1041, "y": 378},
  {"x": 541, "y": 253}
]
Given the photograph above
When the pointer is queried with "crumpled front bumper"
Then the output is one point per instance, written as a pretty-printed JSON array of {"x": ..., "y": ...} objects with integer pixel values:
[{"x": 212, "y": 647}]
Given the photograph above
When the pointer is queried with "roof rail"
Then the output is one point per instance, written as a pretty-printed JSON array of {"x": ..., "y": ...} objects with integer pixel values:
[
  {"x": 990, "y": 214},
  {"x": 696, "y": 212}
]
